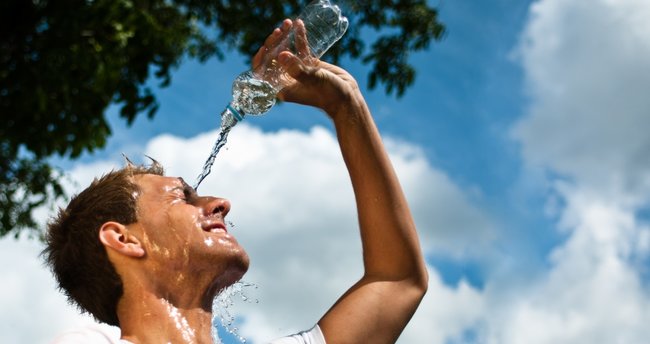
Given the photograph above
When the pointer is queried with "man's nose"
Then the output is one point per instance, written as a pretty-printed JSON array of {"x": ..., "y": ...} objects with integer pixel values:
[{"x": 214, "y": 205}]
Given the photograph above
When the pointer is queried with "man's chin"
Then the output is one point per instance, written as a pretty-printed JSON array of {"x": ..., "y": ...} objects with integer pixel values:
[
  {"x": 232, "y": 275},
  {"x": 237, "y": 269},
  {"x": 237, "y": 266}
]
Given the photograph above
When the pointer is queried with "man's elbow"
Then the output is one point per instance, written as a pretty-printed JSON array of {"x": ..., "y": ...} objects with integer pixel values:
[
  {"x": 417, "y": 283},
  {"x": 421, "y": 281},
  {"x": 415, "y": 289}
]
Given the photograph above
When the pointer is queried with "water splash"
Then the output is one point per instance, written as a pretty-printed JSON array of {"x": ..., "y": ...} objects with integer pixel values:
[
  {"x": 222, "y": 317},
  {"x": 228, "y": 121}
]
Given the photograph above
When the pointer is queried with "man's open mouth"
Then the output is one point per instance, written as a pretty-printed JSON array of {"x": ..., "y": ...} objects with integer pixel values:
[{"x": 214, "y": 226}]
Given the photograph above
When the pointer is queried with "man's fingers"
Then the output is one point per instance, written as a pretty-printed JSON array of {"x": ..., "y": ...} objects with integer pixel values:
[
  {"x": 276, "y": 42},
  {"x": 271, "y": 42},
  {"x": 259, "y": 57},
  {"x": 286, "y": 24},
  {"x": 300, "y": 36},
  {"x": 272, "y": 38}
]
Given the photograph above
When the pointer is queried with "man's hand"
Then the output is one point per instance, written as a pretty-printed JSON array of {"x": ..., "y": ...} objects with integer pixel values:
[{"x": 311, "y": 81}]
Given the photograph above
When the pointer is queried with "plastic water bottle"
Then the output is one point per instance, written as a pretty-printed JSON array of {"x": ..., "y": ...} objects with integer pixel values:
[{"x": 254, "y": 91}]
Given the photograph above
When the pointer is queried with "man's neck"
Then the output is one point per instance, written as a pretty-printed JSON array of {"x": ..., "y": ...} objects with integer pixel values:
[{"x": 148, "y": 318}]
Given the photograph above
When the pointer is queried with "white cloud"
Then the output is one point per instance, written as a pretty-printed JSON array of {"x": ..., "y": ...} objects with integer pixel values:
[
  {"x": 592, "y": 293},
  {"x": 293, "y": 210},
  {"x": 587, "y": 68},
  {"x": 587, "y": 65}
]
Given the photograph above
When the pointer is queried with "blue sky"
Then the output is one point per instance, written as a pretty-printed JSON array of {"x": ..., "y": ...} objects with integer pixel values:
[{"x": 522, "y": 148}]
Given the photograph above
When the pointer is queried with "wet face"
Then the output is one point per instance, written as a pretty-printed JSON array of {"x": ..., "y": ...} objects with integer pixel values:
[{"x": 184, "y": 235}]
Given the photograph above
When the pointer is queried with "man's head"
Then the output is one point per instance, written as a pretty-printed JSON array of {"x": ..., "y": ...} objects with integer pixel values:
[
  {"x": 139, "y": 209},
  {"x": 180, "y": 242}
]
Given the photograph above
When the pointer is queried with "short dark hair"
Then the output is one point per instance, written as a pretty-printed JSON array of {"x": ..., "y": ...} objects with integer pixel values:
[{"x": 73, "y": 250}]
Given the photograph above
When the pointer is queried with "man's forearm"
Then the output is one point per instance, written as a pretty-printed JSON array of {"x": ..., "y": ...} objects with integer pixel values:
[{"x": 390, "y": 244}]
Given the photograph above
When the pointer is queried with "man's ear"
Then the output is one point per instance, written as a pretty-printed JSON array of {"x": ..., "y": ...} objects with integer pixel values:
[{"x": 116, "y": 236}]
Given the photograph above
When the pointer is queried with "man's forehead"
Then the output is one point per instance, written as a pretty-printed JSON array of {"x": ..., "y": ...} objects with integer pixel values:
[{"x": 150, "y": 182}]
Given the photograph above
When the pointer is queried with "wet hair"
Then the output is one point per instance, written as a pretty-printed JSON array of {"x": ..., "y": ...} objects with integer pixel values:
[{"x": 73, "y": 250}]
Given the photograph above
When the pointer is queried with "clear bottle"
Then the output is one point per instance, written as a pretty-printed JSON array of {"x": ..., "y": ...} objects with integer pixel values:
[{"x": 254, "y": 91}]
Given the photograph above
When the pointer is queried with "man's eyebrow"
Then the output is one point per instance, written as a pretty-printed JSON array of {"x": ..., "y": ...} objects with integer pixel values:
[{"x": 186, "y": 187}]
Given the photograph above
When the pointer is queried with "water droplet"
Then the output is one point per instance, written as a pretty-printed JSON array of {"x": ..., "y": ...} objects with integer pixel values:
[{"x": 221, "y": 310}]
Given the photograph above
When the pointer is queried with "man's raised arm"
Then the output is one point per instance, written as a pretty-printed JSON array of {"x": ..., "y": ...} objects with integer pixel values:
[{"x": 378, "y": 307}]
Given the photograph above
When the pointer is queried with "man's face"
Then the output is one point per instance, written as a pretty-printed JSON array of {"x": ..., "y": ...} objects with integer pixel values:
[{"x": 183, "y": 233}]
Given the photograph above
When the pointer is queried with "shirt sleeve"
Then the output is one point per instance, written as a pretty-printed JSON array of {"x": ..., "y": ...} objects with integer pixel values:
[{"x": 313, "y": 336}]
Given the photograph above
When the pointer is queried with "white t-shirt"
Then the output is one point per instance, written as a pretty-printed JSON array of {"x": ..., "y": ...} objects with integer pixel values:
[
  {"x": 313, "y": 336},
  {"x": 102, "y": 334}
]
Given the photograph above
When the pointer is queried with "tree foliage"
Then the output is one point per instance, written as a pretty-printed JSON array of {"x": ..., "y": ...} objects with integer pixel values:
[{"x": 62, "y": 63}]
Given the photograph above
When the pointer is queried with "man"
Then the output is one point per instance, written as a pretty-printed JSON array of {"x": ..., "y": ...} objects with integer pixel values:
[{"x": 146, "y": 253}]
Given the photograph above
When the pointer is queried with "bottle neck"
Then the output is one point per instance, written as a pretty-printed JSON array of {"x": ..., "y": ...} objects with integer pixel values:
[
  {"x": 230, "y": 117},
  {"x": 236, "y": 114}
]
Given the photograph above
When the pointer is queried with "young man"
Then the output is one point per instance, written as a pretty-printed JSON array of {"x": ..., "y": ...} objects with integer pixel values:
[{"x": 146, "y": 253}]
